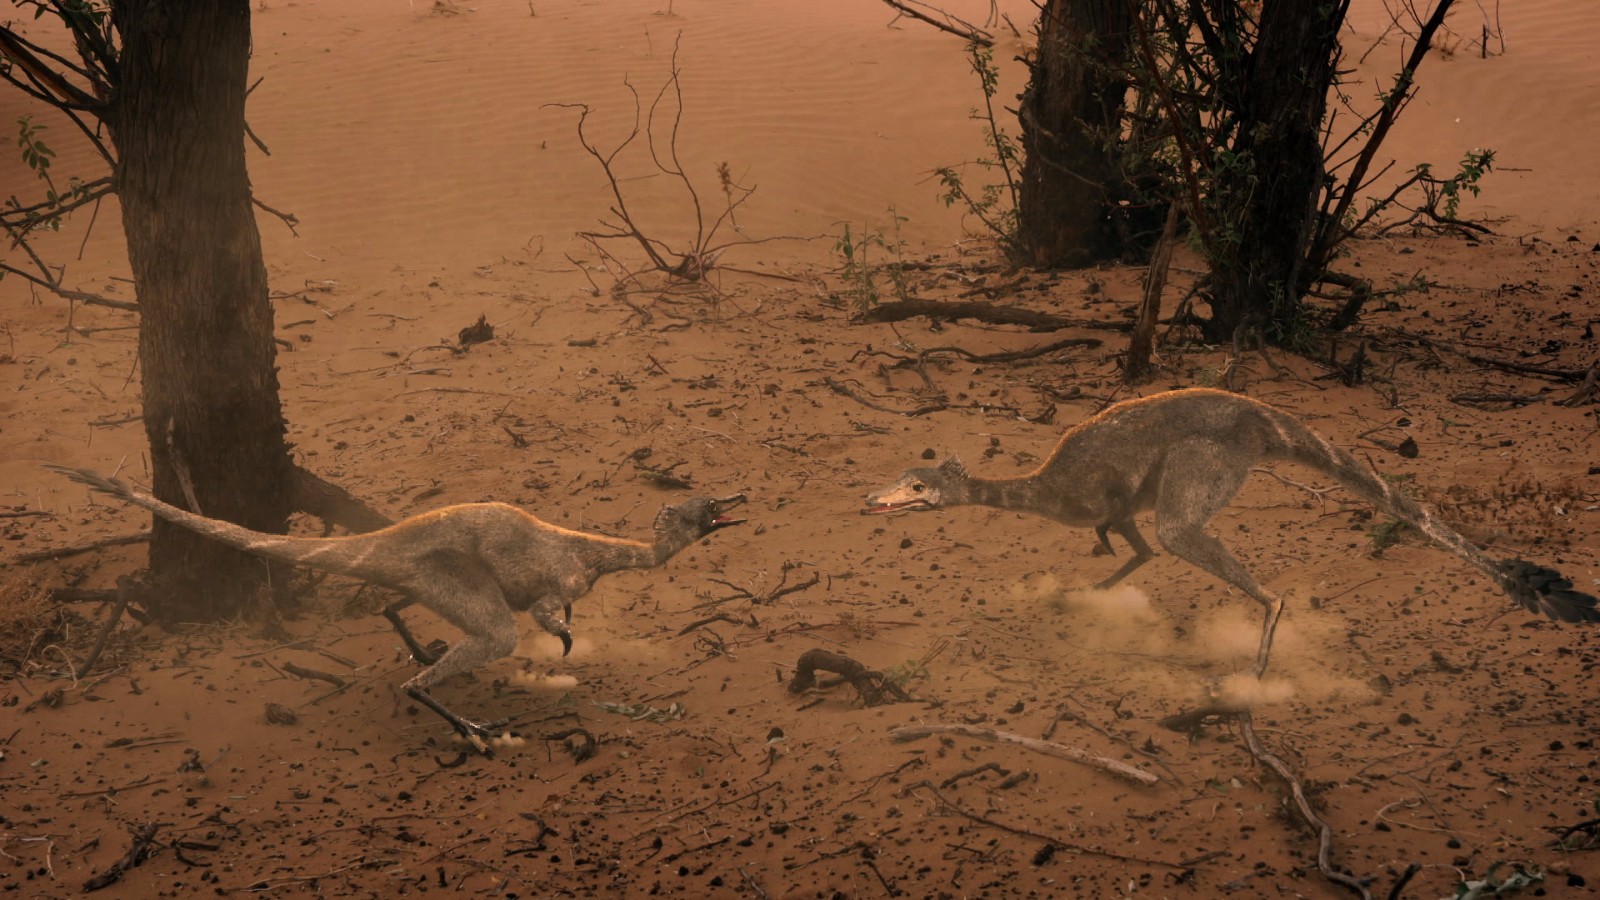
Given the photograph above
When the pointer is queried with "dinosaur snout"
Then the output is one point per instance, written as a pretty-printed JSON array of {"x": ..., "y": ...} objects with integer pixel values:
[{"x": 720, "y": 508}]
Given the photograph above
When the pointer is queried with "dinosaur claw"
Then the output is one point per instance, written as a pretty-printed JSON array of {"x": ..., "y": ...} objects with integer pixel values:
[{"x": 566, "y": 642}]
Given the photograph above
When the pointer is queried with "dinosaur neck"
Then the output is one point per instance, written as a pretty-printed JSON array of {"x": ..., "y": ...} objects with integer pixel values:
[
  {"x": 615, "y": 556},
  {"x": 1005, "y": 493},
  {"x": 668, "y": 543}
]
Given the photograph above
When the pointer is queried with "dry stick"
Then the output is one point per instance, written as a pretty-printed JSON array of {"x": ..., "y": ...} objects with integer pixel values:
[
  {"x": 1525, "y": 369},
  {"x": 900, "y": 310},
  {"x": 110, "y": 625},
  {"x": 782, "y": 591},
  {"x": 1337, "y": 230},
  {"x": 112, "y": 791},
  {"x": 58, "y": 552},
  {"x": 1513, "y": 399},
  {"x": 1302, "y": 805},
  {"x": 143, "y": 835},
  {"x": 1588, "y": 392},
  {"x": 719, "y": 617},
  {"x": 841, "y": 388},
  {"x": 1048, "y": 748},
  {"x": 1005, "y": 356},
  {"x": 1053, "y": 841},
  {"x": 976, "y": 770},
  {"x": 316, "y": 674},
  {"x": 951, "y": 24},
  {"x": 1141, "y": 343},
  {"x": 1297, "y": 791},
  {"x": 1064, "y": 713},
  {"x": 754, "y": 885}
]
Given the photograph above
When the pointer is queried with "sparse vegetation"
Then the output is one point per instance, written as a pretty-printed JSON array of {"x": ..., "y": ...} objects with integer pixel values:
[
  {"x": 688, "y": 261},
  {"x": 859, "y": 271},
  {"x": 993, "y": 203},
  {"x": 1386, "y": 534}
]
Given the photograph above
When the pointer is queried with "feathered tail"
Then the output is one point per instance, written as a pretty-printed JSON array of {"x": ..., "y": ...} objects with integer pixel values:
[
  {"x": 1534, "y": 587},
  {"x": 339, "y": 555}
]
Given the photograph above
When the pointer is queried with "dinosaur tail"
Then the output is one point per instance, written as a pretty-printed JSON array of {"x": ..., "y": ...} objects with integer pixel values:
[
  {"x": 1536, "y": 588},
  {"x": 339, "y": 555}
]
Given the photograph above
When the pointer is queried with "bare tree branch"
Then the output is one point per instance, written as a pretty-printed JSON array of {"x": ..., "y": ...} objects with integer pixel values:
[{"x": 945, "y": 22}]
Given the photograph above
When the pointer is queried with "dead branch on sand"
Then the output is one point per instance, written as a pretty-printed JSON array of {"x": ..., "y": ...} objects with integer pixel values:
[
  {"x": 764, "y": 598},
  {"x": 143, "y": 837},
  {"x": 945, "y": 22},
  {"x": 1302, "y": 805},
  {"x": 902, "y": 361},
  {"x": 86, "y": 547},
  {"x": 1048, "y": 748},
  {"x": 1023, "y": 832},
  {"x": 841, "y": 388},
  {"x": 978, "y": 310},
  {"x": 1588, "y": 392},
  {"x": 874, "y": 687},
  {"x": 690, "y": 265}
]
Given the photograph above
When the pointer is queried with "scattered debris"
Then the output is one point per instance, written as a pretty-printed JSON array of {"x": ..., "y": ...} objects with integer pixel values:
[
  {"x": 478, "y": 332},
  {"x": 874, "y": 687},
  {"x": 143, "y": 837}
]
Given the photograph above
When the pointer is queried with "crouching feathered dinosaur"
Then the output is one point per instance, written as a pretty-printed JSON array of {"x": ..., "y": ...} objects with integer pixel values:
[
  {"x": 1184, "y": 454},
  {"x": 472, "y": 564}
]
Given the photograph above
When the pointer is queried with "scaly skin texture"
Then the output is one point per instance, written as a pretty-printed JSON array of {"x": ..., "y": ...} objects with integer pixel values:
[
  {"x": 473, "y": 564},
  {"x": 1185, "y": 454}
]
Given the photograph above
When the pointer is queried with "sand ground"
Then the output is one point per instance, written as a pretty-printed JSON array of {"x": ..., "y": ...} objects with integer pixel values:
[{"x": 437, "y": 177}]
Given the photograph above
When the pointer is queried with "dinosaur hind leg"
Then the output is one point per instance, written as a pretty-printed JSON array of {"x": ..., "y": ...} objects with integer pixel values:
[
  {"x": 491, "y": 634},
  {"x": 466, "y": 596},
  {"x": 421, "y": 654},
  {"x": 1196, "y": 484},
  {"x": 1141, "y": 549}
]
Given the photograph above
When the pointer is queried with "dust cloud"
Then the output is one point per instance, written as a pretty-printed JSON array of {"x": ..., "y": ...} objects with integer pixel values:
[{"x": 1201, "y": 655}]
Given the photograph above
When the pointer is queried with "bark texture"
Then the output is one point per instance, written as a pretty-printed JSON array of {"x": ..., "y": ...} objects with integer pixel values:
[
  {"x": 1267, "y": 195},
  {"x": 1071, "y": 117},
  {"x": 211, "y": 408}
]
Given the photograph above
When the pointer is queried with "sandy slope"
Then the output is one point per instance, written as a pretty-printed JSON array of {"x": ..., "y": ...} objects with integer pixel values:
[{"x": 434, "y": 183}]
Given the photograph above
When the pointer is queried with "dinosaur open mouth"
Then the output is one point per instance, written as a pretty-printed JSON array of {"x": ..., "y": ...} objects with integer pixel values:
[
  {"x": 878, "y": 509},
  {"x": 722, "y": 519}
]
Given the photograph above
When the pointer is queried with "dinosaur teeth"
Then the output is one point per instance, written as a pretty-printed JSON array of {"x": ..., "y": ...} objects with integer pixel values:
[{"x": 881, "y": 508}]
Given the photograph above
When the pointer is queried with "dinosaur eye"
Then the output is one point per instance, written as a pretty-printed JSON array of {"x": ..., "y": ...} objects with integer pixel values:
[{"x": 919, "y": 487}]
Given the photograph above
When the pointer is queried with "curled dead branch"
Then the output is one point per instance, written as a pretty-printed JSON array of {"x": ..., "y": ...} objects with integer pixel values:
[
  {"x": 143, "y": 837},
  {"x": 874, "y": 687},
  {"x": 1302, "y": 805}
]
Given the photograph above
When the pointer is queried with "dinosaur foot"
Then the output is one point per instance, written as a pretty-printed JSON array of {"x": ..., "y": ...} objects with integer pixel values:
[
  {"x": 481, "y": 737},
  {"x": 487, "y": 737},
  {"x": 427, "y": 656}
]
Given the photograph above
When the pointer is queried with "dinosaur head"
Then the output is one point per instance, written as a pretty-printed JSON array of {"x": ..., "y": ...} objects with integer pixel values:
[
  {"x": 920, "y": 489},
  {"x": 699, "y": 517}
]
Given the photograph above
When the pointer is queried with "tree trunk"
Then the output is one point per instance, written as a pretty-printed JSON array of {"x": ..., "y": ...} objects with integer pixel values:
[
  {"x": 1266, "y": 196},
  {"x": 1071, "y": 117},
  {"x": 211, "y": 408}
]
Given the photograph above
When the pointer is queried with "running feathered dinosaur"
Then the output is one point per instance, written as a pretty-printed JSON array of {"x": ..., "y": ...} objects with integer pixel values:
[
  {"x": 473, "y": 564},
  {"x": 1184, "y": 454}
]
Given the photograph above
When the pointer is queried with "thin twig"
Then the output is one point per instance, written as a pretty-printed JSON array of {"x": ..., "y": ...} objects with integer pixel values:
[
  {"x": 1024, "y": 832},
  {"x": 1048, "y": 748}
]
